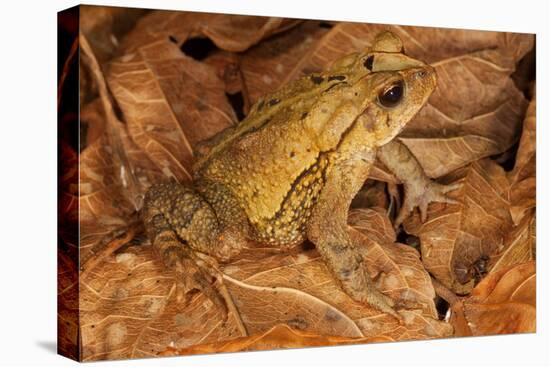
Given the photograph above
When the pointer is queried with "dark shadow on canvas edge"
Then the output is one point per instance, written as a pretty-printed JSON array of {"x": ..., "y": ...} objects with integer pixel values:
[{"x": 48, "y": 345}]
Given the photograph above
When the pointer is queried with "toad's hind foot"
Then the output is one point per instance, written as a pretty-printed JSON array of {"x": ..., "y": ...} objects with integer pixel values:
[
  {"x": 369, "y": 294},
  {"x": 362, "y": 289},
  {"x": 381, "y": 302},
  {"x": 192, "y": 274}
]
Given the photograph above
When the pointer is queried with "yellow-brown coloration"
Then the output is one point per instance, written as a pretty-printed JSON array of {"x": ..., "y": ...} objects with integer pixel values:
[{"x": 289, "y": 171}]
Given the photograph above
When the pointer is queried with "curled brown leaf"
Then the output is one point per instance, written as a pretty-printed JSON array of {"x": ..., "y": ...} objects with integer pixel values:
[
  {"x": 456, "y": 236},
  {"x": 504, "y": 302}
]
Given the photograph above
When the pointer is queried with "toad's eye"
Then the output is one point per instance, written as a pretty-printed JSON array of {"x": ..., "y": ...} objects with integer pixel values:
[{"x": 391, "y": 96}]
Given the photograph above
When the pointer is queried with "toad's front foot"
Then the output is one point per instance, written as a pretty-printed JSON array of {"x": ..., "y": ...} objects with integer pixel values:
[{"x": 421, "y": 195}]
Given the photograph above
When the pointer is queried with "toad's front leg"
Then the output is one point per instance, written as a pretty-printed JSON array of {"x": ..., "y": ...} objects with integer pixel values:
[
  {"x": 420, "y": 190},
  {"x": 328, "y": 230}
]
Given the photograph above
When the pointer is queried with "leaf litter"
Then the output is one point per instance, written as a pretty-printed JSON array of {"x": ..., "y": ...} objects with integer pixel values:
[{"x": 164, "y": 85}]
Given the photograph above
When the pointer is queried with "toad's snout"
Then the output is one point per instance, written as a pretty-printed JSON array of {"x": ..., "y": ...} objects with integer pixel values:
[
  {"x": 422, "y": 79},
  {"x": 426, "y": 74}
]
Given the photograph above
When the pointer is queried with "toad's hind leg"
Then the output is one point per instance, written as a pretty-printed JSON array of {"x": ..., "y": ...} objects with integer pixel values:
[
  {"x": 191, "y": 218},
  {"x": 179, "y": 222}
]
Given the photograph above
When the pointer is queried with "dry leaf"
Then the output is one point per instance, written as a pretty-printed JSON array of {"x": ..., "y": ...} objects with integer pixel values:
[
  {"x": 132, "y": 190},
  {"x": 101, "y": 205},
  {"x": 374, "y": 223},
  {"x": 504, "y": 302},
  {"x": 105, "y": 25},
  {"x": 396, "y": 267},
  {"x": 100, "y": 192},
  {"x": 279, "y": 336},
  {"x": 91, "y": 194},
  {"x": 169, "y": 103},
  {"x": 229, "y": 32},
  {"x": 129, "y": 308},
  {"x": 523, "y": 176},
  {"x": 518, "y": 247},
  {"x": 456, "y": 236},
  {"x": 268, "y": 65},
  {"x": 67, "y": 304},
  {"x": 92, "y": 116},
  {"x": 372, "y": 195},
  {"x": 100, "y": 198}
]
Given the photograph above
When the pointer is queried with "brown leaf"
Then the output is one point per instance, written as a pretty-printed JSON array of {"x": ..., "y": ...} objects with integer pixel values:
[
  {"x": 99, "y": 196},
  {"x": 101, "y": 205},
  {"x": 456, "y": 236},
  {"x": 504, "y": 302},
  {"x": 105, "y": 25},
  {"x": 98, "y": 205},
  {"x": 129, "y": 307},
  {"x": 374, "y": 223},
  {"x": 132, "y": 190},
  {"x": 523, "y": 176},
  {"x": 169, "y": 103},
  {"x": 92, "y": 117},
  {"x": 372, "y": 195},
  {"x": 229, "y": 32},
  {"x": 443, "y": 141},
  {"x": 129, "y": 310},
  {"x": 101, "y": 189},
  {"x": 67, "y": 304},
  {"x": 263, "y": 290},
  {"x": 279, "y": 336},
  {"x": 268, "y": 65},
  {"x": 476, "y": 110},
  {"x": 518, "y": 247}
]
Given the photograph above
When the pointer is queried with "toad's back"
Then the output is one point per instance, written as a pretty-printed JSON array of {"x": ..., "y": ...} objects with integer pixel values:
[{"x": 274, "y": 172}]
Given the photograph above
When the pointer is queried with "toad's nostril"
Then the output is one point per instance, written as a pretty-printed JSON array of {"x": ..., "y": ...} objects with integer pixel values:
[{"x": 421, "y": 74}]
